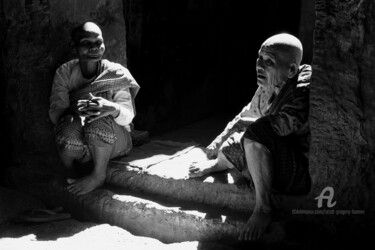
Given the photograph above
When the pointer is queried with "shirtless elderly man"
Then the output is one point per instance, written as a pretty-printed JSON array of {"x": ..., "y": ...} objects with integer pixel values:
[
  {"x": 268, "y": 141},
  {"x": 92, "y": 105}
]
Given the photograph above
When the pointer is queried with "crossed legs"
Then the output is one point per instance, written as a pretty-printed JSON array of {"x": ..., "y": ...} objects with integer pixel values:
[{"x": 98, "y": 142}]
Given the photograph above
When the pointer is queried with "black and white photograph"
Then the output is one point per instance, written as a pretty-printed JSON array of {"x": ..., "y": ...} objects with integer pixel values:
[{"x": 187, "y": 124}]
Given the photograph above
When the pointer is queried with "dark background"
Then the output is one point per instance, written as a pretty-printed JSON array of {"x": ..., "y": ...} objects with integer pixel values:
[{"x": 195, "y": 59}]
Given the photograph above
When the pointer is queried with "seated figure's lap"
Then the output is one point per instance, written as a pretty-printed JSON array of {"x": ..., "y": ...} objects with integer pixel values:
[
  {"x": 233, "y": 151},
  {"x": 100, "y": 132},
  {"x": 291, "y": 175},
  {"x": 290, "y": 166},
  {"x": 69, "y": 136},
  {"x": 73, "y": 138}
]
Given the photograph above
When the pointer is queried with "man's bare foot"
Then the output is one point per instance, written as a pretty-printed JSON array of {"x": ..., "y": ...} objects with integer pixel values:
[
  {"x": 198, "y": 169},
  {"x": 256, "y": 225},
  {"x": 85, "y": 184}
]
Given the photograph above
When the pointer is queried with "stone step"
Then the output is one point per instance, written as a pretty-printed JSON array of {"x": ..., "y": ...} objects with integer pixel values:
[
  {"x": 215, "y": 193},
  {"x": 158, "y": 201},
  {"x": 144, "y": 217},
  {"x": 161, "y": 168}
]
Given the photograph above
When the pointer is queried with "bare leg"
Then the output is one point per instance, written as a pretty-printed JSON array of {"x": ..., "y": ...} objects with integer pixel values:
[
  {"x": 198, "y": 169},
  {"x": 68, "y": 163},
  {"x": 260, "y": 164},
  {"x": 101, "y": 157}
]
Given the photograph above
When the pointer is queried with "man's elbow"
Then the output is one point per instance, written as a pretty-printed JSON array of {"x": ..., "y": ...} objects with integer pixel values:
[
  {"x": 54, "y": 116},
  {"x": 125, "y": 117}
]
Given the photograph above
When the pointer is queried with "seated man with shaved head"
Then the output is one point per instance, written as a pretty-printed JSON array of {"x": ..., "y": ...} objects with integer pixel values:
[
  {"x": 268, "y": 141},
  {"x": 92, "y": 107}
]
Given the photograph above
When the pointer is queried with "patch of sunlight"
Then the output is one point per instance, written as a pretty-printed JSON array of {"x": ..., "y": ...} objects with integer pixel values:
[
  {"x": 223, "y": 218},
  {"x": 209, "y": 179},
  {"x": 146, "y": 204},
  {"x": 99, "y": 237},
  {"x": 230, "y": 178}
]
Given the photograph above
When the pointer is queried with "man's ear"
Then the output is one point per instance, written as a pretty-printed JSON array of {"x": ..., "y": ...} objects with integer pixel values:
[{"x": 293, "y": 70}]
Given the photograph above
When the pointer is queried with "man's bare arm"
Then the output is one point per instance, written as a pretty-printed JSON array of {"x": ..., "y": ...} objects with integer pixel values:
[{"x": 239, "y": 123}]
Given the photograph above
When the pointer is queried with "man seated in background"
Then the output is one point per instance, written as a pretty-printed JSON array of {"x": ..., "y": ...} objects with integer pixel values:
[
  {"x": 268, "y": 141},
  {"x": 92, "y": 106}
]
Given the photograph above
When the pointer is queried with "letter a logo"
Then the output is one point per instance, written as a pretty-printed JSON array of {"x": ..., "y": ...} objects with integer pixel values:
[{"x": 328, "y": 197}]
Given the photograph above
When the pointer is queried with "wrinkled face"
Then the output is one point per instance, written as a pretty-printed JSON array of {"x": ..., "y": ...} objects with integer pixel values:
[
  {"x": 272, "y": 69},
  {"x": 90, "y": 46}
]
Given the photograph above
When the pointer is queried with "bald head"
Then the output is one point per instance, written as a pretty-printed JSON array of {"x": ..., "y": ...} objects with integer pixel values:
[
  {"x": 286, "y": 47},
  {"x": 84, "y": 30}
]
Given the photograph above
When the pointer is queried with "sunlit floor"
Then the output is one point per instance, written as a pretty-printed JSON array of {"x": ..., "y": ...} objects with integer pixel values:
[{"x": 73, "y": 234}]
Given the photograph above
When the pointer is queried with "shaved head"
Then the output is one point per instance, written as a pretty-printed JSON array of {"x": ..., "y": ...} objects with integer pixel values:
[
  {"x": 278, "y": 60},
  {"x": 287, "y": 48},
  {"x": 88, "y": 41},
  {"x": 85, "y": 29}
]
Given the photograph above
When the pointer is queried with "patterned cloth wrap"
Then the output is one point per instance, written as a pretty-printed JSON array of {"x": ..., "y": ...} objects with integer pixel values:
[
  {"x": 73, "y": 136},
  {"x": 288, "y": 151}
]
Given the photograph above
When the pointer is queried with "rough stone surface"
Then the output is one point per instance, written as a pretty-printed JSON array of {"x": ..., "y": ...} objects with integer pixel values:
[
  {"x": 217, "y": 193},
  {"x": 28, "y": 74},
  {"x": 146, "y": 218},
  {"x": 342, "y": 112},
  {"x": 168, "y": 179}
]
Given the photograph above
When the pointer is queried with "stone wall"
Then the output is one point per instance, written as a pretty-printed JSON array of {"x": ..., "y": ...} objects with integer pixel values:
[
  {"x": 342, "y": 113},
  {"x": 28, "y": 75}
]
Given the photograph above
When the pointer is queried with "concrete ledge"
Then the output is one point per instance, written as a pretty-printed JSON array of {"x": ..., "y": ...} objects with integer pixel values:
[
  {"x": 146, "y": 218},
  {"x": 218, "y": 195},
  {"x": 142, "y": 217}
]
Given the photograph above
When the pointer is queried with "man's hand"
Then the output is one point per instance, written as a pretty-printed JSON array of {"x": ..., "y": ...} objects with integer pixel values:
[
  {"x": 213, "y": 149},
  {"x": 96, "y": 108}
]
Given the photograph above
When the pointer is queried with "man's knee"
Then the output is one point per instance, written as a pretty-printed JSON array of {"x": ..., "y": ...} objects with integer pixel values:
[
  {"x": 70, "y": 147},
  {"x": 68, "y": 137},
  {"x": 100, "y": 133},
  {"x": 254, "y": 146},
  {"x": 221, "y": 157}
]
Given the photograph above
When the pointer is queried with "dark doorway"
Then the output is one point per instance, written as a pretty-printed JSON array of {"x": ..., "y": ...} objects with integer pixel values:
[{"x": 196, "y": 58}]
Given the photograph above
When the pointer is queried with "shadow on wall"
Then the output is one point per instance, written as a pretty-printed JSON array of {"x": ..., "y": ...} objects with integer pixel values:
[{"x": 197, "y": 58}]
